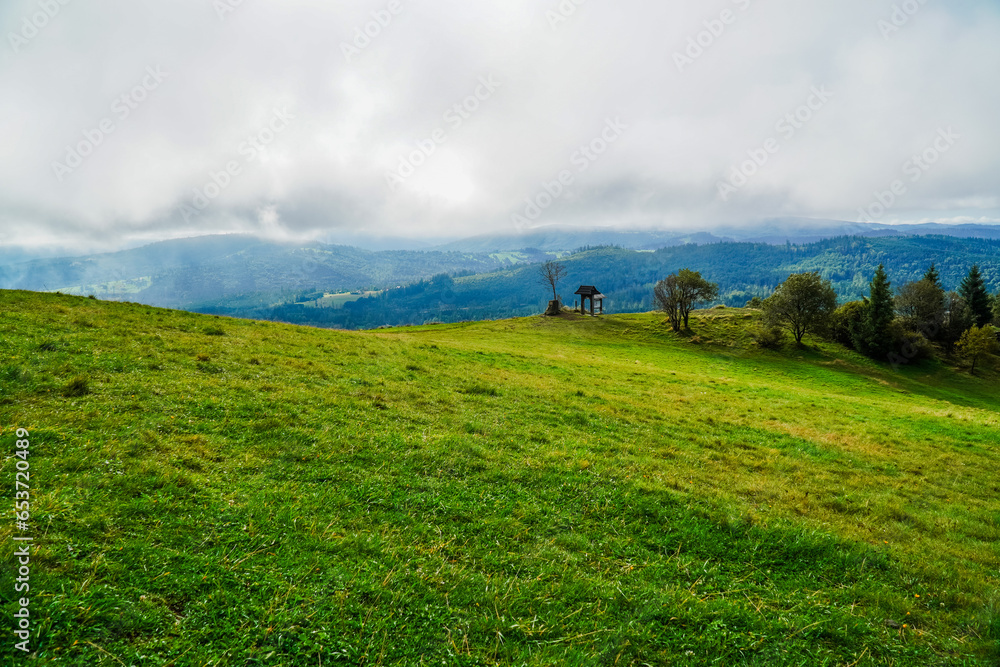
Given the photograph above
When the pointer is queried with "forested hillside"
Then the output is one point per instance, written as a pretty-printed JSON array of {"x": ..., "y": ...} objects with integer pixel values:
[
  {"x": 626, "y": 277},
  {"x": 237, "y": 269}
]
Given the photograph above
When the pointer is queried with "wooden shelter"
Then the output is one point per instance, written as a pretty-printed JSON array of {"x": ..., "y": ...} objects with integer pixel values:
[{"x": 592, "y": 293}]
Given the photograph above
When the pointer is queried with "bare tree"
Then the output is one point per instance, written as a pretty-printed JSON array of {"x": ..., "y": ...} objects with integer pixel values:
[{"x": 549, "y": 274}]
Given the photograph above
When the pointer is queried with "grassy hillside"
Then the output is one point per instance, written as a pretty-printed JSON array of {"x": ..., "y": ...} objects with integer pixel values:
[{"x": 532, "y": 491}]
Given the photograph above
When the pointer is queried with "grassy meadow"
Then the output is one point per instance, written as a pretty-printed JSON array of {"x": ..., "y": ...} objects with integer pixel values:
[{"x": 538, "y": 491}]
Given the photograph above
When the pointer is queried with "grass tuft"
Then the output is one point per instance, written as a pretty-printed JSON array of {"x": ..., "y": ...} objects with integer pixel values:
[
  {"x": 78, "y": 386},
  {"x": 480, "y": 390}
]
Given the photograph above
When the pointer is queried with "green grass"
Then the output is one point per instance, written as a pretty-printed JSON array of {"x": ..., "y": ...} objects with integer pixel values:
[
  {"x": 541, "y": 491},
  {"x": 338, "y": 300}
]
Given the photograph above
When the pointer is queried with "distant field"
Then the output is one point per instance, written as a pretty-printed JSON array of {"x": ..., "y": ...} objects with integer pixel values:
[
  {"x": 338, "y": 300},
  {"x": 112, "y": 290},
  {"x": 539, "y": 491}
]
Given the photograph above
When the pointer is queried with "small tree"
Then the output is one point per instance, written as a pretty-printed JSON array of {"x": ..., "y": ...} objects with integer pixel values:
[
  {"x": 976, "y": 343},
  {"x": 921, "y": 306},
  {"x": 996, "y": 309},
  {"x": 973, "y": 290},
  {"x": 957, "y": 319},
  {"x": 549, "y": 274},
  {"x": 932, "y": 276},
  {"x": 801, "y": 304},
  {"x": 693, "y": 290},
  {"x": 666, "y": 294},
  {"x": 846, "y": 319},
  {"x": 678, "y": 293}
]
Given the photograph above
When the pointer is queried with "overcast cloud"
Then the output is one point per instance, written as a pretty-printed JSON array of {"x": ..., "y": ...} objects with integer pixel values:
[{"x": 276, "y": 117}]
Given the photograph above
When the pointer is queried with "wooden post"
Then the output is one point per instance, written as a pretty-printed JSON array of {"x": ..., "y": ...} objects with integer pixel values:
[{"x": 592, "y": 305}]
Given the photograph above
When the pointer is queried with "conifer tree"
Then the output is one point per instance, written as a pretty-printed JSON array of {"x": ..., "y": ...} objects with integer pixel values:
[
  {"x": 871, "y": 334},
  {"x": 973, "y": 290},
  {"x": 932, "y": 276}
]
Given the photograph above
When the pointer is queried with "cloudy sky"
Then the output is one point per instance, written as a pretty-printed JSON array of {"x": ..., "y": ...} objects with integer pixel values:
[{"x": 132, "y": 120}]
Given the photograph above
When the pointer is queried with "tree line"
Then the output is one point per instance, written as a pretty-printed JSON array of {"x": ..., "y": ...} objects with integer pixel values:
[{"x": 911, "y": 324}]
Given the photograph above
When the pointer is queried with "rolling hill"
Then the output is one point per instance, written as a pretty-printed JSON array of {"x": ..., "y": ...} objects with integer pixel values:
[
  {"x": 573, "y": 491},
  {"x": 236, "y": 269},
  {"x": 627, "y": 277},
  {"x": 246, "y": 276}
]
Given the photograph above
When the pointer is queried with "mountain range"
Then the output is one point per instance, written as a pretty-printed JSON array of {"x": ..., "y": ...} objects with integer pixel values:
[{"x": 248, "y": 276}]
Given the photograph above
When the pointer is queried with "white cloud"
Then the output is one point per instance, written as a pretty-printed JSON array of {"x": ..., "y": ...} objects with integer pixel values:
[{"x": 353, "y": 120}]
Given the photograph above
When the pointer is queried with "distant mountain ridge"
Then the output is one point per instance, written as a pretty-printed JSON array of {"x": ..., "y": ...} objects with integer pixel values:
[
  {"x": 242, "y": 271},
  {"x": 626, "y": 277},
  {"x": 182, "y": 272},
  {"x": 772, "y": 231}
]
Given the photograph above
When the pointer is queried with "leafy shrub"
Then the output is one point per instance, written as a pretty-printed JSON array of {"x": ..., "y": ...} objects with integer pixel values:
[
  {"x": 214, "y": 331},
  {"x": 769, "y": 338},
  {"x": 843, "y": 320},
  {"x": 910, "y": 345}
]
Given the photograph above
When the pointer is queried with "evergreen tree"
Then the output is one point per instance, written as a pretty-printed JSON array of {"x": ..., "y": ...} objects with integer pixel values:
[
  {"x": 932, "y": 276},
  {"x": 996, "y": 309},
  {"x": 871, "y": 334},
  {"x": 973, "y": 290}
]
